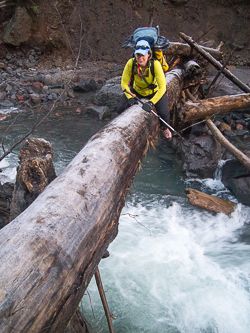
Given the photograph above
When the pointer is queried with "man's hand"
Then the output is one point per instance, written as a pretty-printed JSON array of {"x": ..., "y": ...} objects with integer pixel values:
[
  {"x": 132, "y": 101},
  {"x": 148, "y": 106}
]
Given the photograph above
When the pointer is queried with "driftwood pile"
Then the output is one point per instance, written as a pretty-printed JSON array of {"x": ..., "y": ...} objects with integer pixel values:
[{"x": 194, "y": 110}]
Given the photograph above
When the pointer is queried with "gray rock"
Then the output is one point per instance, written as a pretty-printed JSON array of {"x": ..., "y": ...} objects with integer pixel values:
[
  {"x": 48, "y": 80},
  {"x": 241, "y": 132},
  {"x": 8, "y": 88},
  {"x": 35, "y": 99},
  {"x": 6, "y": 103},
  {"x": 3, "y": 86},
  {"x": 198, "y": 157},
  {"x": 237, "y": 178},
  {"x": 101, "y": 111},
  {"x": 2, "y": 95},
  {"x": 85, "y": 86},
  {"x": 110, "y": 94},
  {"x": 229, "y": 133}
]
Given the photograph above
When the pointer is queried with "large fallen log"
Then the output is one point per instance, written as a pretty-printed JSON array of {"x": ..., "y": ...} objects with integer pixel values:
[
  {"x": 209, "y": 202},
  {"x": 191, "y": 111},
  {"x": 174, "y": 84},
  {"x": 215, "y": 63},
  {"x": 50, "y": 252},
  {"x": 185, "y": 50}
]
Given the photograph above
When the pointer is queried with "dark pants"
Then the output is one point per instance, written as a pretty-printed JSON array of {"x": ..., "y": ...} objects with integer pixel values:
[{"x": 161, "y": 106}]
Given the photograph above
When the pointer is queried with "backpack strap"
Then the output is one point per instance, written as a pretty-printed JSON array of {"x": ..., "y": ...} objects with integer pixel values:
[{"x": 131, "y": 80}]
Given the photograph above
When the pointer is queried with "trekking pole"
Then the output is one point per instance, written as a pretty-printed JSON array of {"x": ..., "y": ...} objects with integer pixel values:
[{"x": 151, "y": 110}]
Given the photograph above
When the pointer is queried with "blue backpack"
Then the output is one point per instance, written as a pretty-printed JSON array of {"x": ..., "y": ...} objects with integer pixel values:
[{"x": 150, "y": 34}]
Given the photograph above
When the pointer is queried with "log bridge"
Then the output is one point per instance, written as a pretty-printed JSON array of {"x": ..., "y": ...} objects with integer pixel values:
[{"x": 50, "y": 251}]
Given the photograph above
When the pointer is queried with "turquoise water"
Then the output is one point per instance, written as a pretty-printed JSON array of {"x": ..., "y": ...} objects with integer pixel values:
[{"x": 172, "y": 268}]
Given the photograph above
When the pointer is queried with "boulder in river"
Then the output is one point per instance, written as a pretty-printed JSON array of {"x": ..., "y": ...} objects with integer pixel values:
[
  {"x": 101, "y": 112},
  {"x": 110, "y": 94},
  {"x": 237, "y": 178},
  {"x": 198, "y": 157}
]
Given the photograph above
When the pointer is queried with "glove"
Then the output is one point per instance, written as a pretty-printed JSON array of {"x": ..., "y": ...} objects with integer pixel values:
[
  {"x": 148, "y": 106},
  {"x": 132, "y": 101}
]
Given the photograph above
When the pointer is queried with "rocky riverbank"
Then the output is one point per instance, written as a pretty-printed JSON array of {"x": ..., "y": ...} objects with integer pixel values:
[{"x": 27, "y": 82}]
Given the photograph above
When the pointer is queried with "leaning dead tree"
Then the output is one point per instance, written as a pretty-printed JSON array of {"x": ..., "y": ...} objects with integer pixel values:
[{"x": 50, "y": 252}]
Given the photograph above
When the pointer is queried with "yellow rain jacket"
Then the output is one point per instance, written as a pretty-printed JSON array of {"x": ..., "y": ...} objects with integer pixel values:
[{"x": 140, "y": 85}]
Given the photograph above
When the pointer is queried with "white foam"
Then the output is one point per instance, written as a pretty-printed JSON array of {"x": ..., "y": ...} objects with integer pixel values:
[{"x": 183, "y": 275}]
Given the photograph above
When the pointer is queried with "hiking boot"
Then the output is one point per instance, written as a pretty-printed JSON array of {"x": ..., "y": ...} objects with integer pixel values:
[{"x": 167, "y": 134}]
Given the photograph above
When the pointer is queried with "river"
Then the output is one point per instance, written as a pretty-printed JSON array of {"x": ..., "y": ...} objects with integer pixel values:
[{"x": 172, "y": 268}]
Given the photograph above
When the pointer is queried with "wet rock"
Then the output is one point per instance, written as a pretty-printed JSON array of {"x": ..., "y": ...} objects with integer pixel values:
[
  {"x": 229, "y": 133},
  {"x": 101, "y": 112},
  {"x": 236, "y": 116},
  {"x": 85, "y": 86},
  {"x": 237, "y": 178},
  {"x": 7, "y": 104},
  {"x": 18, "y": 30},
  {"x": 241, "y": 132},
  {"x": 198, "y": 157}
]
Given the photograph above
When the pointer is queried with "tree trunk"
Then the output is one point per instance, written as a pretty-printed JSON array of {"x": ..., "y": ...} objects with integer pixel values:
[
  {"x": 216, "y": 63},
  {"x": 209, "y": 202},
  {"x": 206, "y": 108},
  {"x": 174, "y": 83},
  {"x": 34, "y": 172},
  {"x": 185, "y": 50},
  {"x": 50, "y": 252}
]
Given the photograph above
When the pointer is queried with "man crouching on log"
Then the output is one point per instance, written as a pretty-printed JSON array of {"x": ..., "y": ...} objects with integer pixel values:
[{"x": 145, "y": 78}]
